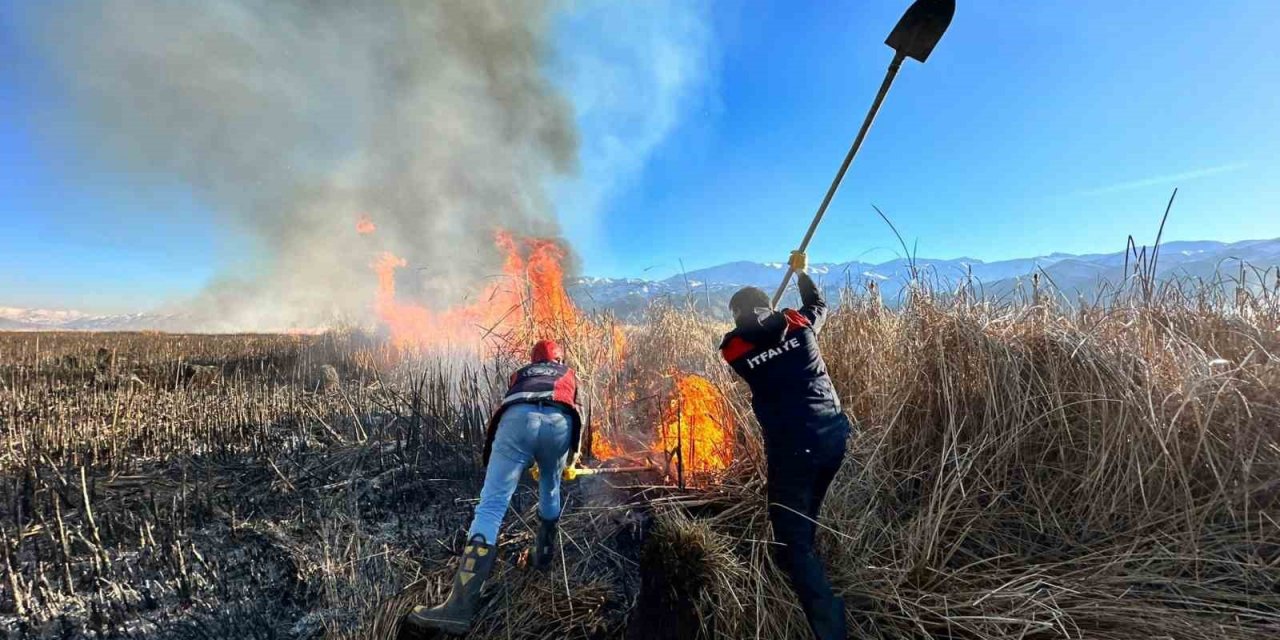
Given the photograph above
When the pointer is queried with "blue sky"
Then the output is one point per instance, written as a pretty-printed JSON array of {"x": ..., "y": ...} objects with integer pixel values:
[{"x": 1035, "y": 127}]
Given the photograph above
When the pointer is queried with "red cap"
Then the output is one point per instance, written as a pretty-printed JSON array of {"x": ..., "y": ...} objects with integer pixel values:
[{"x": 547, "y": 351}]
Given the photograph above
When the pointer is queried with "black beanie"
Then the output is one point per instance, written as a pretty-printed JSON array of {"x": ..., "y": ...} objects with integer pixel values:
[{"x": 747, "y": 300}]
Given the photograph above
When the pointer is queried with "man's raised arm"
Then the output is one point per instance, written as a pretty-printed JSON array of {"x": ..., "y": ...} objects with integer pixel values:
[{"x": 815, "y": 306}]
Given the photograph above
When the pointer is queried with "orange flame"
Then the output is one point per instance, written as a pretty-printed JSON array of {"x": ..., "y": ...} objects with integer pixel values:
[
  {"x": 698, "y": 426},
  {"x": 365, "y": 226},
  {"x": 619, "y": 344},
  {"x": 602, "y": 449},
  {"x": 551, "y": 303},
  {"x": 528, "y": 303}
]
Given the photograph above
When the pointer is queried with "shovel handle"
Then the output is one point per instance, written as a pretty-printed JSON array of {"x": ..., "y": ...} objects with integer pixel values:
[{"x": 848, "y": 160}]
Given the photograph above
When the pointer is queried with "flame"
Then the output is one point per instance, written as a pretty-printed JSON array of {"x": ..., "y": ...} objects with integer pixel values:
[
  {"x": 619, "y": 344},
  {"x": 365, "y": 226},
  {"x": 697, "y": 423},
  {"x": 549, "y": 308},
  {"x": 528, "y": 303},
  {"x": 552, "y": 305},
  {"x": 602, "y": 449}
]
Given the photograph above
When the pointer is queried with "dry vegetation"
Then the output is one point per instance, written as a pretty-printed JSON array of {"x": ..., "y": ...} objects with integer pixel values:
[{"x": 1021, "y": 471}]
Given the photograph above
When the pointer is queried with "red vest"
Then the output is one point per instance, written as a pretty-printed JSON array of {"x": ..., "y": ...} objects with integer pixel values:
[{"x": 551, "y": 383}]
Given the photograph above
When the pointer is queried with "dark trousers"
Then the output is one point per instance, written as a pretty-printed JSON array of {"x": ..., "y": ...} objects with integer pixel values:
[{"x": 799, "y": 476}]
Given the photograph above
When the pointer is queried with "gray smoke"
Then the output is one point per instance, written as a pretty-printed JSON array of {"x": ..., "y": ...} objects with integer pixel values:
[{"x": 290, "y": 118}]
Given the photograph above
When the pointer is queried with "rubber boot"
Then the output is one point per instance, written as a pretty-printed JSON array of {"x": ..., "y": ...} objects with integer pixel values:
[
  {"x": 544, "y": 545},
  {"x": 455, "y": 615}
]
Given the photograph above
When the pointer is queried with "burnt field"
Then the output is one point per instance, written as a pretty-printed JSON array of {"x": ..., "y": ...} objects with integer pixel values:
[{"x": 1020, "y": 470}]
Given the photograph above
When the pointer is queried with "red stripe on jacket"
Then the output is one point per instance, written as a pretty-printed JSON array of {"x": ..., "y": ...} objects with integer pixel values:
[
  {"x": 795, "y": 320},
  {"x": 735, "y": 349}
]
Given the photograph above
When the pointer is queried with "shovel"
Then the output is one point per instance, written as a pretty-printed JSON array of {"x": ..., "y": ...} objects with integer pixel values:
[{"x": 917, "y": 33}]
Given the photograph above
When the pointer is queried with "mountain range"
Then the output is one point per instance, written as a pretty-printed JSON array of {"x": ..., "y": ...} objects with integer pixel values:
[
  {"x": 709, "y": 289},
  {"x": 19, "y": 319},
  {"x": 1072, "y": 275}
]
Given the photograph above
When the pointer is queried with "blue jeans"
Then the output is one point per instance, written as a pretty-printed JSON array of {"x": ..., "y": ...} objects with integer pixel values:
[{"x": 526, "y": 433}]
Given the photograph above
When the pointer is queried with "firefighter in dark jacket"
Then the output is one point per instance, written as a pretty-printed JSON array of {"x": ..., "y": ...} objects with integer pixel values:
[
  {"x": 805, "y": 431},
  {"x": 538, "y": 422}
]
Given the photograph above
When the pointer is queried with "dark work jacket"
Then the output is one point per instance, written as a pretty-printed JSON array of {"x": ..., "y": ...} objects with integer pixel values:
[
  {"x": 777, "y": 353},
  {"x": 551, "y": 383}
]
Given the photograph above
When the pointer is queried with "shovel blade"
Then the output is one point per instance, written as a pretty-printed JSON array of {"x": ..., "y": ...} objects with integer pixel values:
[{"x": 921, "y": 27}]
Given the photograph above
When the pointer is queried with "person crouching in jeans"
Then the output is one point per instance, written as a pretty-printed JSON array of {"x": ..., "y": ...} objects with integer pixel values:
[{"x": 538, "y": 422}]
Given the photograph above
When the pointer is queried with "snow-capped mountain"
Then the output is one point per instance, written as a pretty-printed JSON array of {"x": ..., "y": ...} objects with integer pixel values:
[
  {"x": 16, "y": 319},
  {"x": 1071, "y": 274},
  {"x": 709, "y": 289}
]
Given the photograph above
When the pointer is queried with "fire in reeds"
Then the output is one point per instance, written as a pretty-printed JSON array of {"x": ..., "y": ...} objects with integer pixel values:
[
  {"x": 694, "y": 432},
  {"x": 697, "y": 428}
]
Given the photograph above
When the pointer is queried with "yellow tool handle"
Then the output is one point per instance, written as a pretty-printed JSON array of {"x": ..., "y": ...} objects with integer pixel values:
[
  {"x": 573, "y": 472},
  {"x": 569, "y": 473}
]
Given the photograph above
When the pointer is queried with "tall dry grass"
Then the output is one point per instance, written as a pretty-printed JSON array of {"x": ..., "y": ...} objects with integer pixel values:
[{"x": 1025, "y": 471}]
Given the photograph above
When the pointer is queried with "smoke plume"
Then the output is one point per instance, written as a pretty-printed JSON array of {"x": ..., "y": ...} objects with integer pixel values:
[{"x": 296, "y": 119}]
